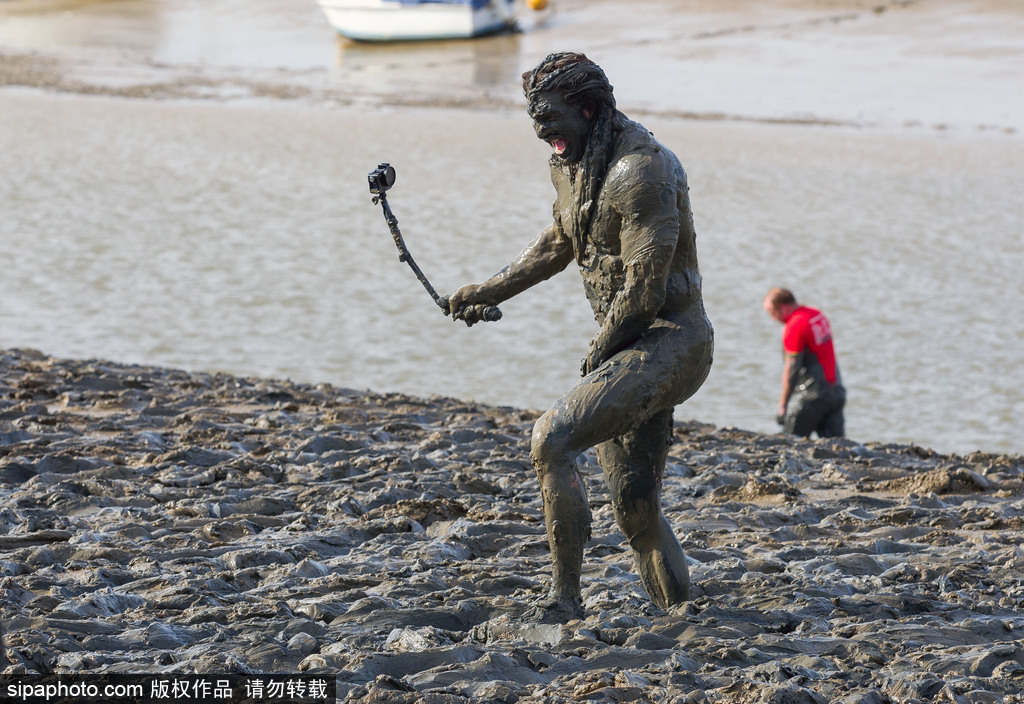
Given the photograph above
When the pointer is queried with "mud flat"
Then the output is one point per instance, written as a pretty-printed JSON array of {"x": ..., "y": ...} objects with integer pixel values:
[{"x": 158, "y": 521}]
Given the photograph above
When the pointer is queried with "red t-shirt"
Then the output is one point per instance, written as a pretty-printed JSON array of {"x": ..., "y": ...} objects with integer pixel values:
[{"x": 809, "y": 328}]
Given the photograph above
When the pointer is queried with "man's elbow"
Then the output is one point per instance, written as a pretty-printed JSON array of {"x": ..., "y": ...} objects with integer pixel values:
[{"x": 651, "y": 302}]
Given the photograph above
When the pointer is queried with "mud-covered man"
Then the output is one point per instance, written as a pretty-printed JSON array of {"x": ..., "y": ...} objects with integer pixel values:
[{"x": 622, "y": 214}]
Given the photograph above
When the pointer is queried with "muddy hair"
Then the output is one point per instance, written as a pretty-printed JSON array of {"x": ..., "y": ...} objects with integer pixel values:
[{"x": 583, "y": 84}]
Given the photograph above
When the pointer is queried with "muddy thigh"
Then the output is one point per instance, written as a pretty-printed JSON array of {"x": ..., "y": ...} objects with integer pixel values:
[{"x": 662, "y": 369}]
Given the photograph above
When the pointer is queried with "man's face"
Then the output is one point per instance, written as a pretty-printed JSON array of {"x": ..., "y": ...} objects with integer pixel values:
[
  {"x": 779, "y": 313},
  {"x": 565, "y": 127}
]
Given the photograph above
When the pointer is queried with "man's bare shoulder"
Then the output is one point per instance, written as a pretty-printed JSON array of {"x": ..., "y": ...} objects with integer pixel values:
[
  {"x": 643, "y": 172},
  {"x": 644, "y": 163},
  {"x": 641, "y": 161}
]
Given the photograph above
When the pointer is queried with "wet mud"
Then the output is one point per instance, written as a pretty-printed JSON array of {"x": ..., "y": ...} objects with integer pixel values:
[{"x": 158, "y": 521}]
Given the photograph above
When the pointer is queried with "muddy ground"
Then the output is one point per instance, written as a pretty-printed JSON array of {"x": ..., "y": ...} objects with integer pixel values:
[{"x": 158, "y": 521}]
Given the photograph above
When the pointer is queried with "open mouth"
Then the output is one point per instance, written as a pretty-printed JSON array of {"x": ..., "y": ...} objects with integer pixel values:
[{"x": 559, "y": 145}]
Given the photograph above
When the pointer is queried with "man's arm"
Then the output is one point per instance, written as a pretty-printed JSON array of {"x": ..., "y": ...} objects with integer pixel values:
[
  {"x": 643, "y": 191},
  {"x": 549, "y": 253},
  {"x": 795, "y": 336},
  {"x": 790, "y": 369}
]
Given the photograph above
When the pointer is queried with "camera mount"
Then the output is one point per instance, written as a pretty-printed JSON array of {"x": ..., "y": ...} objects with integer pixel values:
[{"x": 381, "y": 179}]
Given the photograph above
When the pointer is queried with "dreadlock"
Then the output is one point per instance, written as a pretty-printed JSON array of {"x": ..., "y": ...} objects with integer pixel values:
[{"x": 583, "y": 84}]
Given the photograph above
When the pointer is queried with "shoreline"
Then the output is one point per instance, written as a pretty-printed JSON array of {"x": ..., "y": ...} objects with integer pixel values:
[
  {"x": 159, "y": 521},
  {"x": 854, "y": 64},
  {"x": 34, "y": 72}
]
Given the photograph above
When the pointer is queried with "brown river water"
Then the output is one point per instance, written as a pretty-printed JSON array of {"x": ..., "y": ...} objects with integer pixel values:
[{"x": 217, "y": 218}]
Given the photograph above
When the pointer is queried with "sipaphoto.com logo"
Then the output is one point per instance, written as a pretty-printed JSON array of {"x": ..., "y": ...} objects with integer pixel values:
[{"x": 57, "y": 689}]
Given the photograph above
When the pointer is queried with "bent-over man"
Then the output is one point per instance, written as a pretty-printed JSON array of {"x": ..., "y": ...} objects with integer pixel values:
[{"x": 812, "y": 396}]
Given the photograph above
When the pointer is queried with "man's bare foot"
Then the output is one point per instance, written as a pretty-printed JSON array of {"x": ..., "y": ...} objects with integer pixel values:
[{"x": 552, "y": 609}]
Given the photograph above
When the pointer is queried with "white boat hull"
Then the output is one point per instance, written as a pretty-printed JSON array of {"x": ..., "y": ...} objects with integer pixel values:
[{"x": 388, "y": 20}]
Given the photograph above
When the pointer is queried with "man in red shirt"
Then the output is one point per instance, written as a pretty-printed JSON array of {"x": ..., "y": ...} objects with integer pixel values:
[{"x": 813, "y": 396}]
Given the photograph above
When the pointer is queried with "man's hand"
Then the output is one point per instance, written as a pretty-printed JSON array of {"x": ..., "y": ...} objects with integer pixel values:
[
  {"x": 780, "y": 415},
  {"x": 594, "y": 359},
  {"x": 467, "y": 304}
]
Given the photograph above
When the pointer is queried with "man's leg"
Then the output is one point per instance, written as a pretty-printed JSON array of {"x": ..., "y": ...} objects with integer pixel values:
[
  {"x": 663, "y": 368},
  {"x": 832, "y": 425},
  {"x": 566, "y": 510},
  {"x": 555, "y": 448},
  {"x": 634, "y": 465},
  {"x": 803, "y": 416}
]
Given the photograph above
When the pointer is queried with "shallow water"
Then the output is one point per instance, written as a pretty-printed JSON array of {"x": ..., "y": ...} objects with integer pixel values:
[{"x": 240, "y": 236}]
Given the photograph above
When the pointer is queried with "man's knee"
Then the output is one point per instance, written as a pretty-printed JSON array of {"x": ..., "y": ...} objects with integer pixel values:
[
  {"x": 634, "y": 494},
  {"x": 638, "y": 519},
  {"x": 549, "y": 444},
  {"x": 632, "y": 485}
]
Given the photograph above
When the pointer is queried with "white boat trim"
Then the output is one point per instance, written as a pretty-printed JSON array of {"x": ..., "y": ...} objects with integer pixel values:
[{"x": 392, "y": 20}]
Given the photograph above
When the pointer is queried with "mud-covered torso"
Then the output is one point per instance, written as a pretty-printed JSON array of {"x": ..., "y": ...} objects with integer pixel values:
[
  {"x": 603, "y": 276},
  {"x": 600, "y": 262}
]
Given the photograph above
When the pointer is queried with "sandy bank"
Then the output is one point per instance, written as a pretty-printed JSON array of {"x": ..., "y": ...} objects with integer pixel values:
[{"x": 160, "y": 521}]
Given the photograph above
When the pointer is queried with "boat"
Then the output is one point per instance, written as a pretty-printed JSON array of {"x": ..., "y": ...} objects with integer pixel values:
[{"x": 410, "y": 20}]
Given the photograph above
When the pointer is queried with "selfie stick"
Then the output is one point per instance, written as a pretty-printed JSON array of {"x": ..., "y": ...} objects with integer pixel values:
[{"x": 381, "y": 179}]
